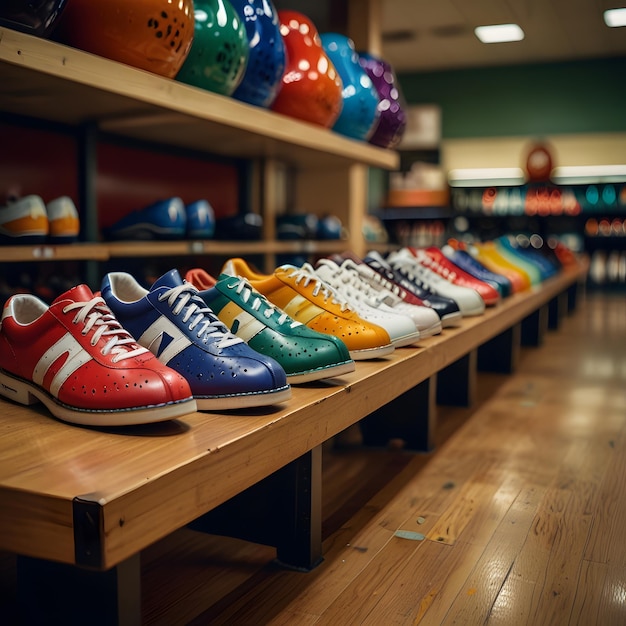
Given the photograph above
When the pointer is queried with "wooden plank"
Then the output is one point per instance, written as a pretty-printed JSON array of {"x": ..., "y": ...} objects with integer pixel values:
[
  {"x": 67, "y": 252},
  {"x": 607, "y": 539},
  {"x": 471, "y": 600}
]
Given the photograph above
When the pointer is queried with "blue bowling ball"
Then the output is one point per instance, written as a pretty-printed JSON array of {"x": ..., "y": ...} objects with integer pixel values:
[
  {"x": 359, "y": 115},
  {"x": 266, "y": 60}
]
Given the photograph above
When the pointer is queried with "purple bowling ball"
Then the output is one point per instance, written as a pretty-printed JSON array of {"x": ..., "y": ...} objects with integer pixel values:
[{"x": 392, "y": 108}]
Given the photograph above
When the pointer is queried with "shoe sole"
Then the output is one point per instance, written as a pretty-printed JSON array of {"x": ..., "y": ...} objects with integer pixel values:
[
  {"x": 320, "y": 373},
  {"x": 451, "y": 319},
  {"x": 243, "y": 400},
  {"x": 23, "y": 239},
  {"x": 28, "y": 393},
  {"x": 472, "y": 311},
  {"x": 407, "y": 340},
  {"x": 371, "y": 353},
  {"x": 429, "y": 331}
]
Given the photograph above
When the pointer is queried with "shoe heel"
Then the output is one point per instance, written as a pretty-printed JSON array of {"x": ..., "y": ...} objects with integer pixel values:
[{"x": 16, "y": 390}]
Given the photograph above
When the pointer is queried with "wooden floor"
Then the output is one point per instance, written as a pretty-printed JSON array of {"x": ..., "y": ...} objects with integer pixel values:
[{"x": 518, "y": 516}]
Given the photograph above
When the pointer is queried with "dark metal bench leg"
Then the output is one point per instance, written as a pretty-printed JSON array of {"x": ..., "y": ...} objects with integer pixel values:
[
  {"x": 411, "y": 418},
  {"x": 501, "y": 353},
  {"x": 456, "y": 384},
  {"x": 283, "y": 510},
  {"x": 57, "y": 593},
  {"x": 557, "y": 310},
  {"x": 535, "y": 327}
]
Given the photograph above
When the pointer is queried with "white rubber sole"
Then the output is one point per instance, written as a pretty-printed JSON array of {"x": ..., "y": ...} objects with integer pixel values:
[
  {"x": 372, "y": 353},
  {"x": 243, "y": 400},
  {"x": 406, "y": 340},
  {"x": 451, "y": 319},
  {"x": 331, "y": 371},
  {"x": 433, "y": 329}
]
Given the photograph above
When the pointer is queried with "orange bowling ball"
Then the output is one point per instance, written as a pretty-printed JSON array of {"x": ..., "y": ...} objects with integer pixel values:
[
  {"x": 153, "y": 35},
  {"x": 311, "y": 87}
]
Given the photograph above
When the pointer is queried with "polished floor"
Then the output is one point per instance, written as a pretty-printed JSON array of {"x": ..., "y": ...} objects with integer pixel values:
[{"x": 517, "y": 518}]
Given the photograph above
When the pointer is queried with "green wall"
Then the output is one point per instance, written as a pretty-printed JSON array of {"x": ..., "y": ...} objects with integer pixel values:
[{"x": 556, "y": 98}]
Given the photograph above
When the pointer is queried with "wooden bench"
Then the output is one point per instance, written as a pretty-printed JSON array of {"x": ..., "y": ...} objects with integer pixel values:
[{"x": 78, "y": 505}]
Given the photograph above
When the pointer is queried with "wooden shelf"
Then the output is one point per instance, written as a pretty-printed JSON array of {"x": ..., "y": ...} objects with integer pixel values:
[
  {"x": 147, "y": 249},
  {"x": 415, "y": 213},
  {"x": 46, "y": 252},
  {"x": 46, "y": 80},
  {"x": 219, "y": 247}
]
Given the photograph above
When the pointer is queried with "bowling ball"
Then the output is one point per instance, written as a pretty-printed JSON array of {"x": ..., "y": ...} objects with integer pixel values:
[
  {"x": 311, "y": 87},
  {"x": 392, "y": 108},
  {"x": 266, "y": 60},
  {"x": 359, "y": 114},
  {"x": 153, "y": 35},
  {"x": 219, "y": 52}
]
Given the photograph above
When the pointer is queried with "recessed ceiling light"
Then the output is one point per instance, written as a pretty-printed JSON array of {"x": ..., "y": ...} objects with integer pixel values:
[
  {"x": 615, "y": 17},
  {"x": 499, "y": 33}
]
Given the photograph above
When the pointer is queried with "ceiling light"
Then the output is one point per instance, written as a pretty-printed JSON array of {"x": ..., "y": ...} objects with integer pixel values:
[
  {"x": 499, "y": 33},
  {"x": 615, "y": 17}
]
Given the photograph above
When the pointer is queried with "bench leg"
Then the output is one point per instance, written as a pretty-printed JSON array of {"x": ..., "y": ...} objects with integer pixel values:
[
  {"x": 283, "y": 510},
  {"x": 501, "y": 353},
  {"x": 534, "y": 327},
  {"x": 57, "y": 593},
  {"x": 572, "y": 297},
  {"x": 411, "y": 418},
  {"x": 557, "y": 308},
  {"x": 456, "y": 384}
]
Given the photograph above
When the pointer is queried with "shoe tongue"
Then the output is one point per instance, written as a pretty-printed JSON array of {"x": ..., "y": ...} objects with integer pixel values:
[
  {"x": 169, "y": 280},
  {"x": 201, "y": 279},
  {"x": 80, "y": 293},
  {"x": 225, "y": 282}
]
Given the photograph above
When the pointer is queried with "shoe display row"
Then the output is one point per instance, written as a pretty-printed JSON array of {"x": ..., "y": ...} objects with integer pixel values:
[
  {"x": 130, "y": 355},
  {"x": 29, "y": 220}
]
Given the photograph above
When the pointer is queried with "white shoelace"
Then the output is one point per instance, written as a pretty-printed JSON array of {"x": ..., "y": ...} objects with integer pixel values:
[
  {"x": 183, "y": 297},
  {"x": 96, "y": 316},
  {"x": 260, "y": 302},
  {"x": 396, "y": 290},
  {"x": 406, "y": 267},
  {"x": 434, "y": 265},
  {"x": 306, "y": 273},
  {"x": 350, "y": 283},
  {"x": 391, "y": 293}
]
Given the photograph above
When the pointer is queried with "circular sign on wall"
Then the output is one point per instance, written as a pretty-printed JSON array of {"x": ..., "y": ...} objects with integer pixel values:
[{"x": 539, "y": 163}]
